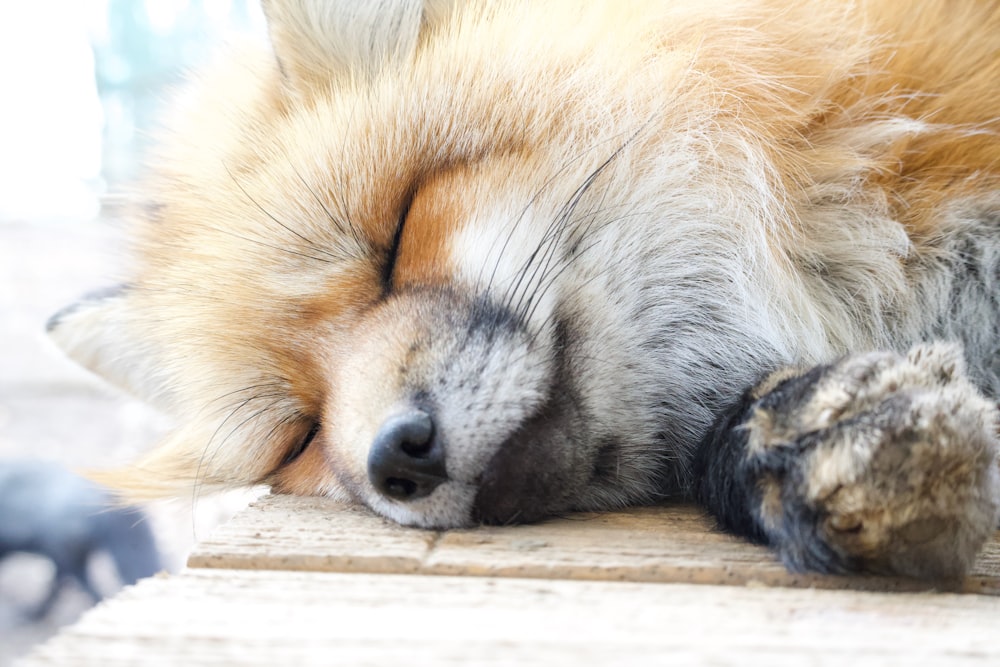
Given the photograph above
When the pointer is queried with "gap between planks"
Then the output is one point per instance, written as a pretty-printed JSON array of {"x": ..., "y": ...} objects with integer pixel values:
[{"x": 675, "y": 544}]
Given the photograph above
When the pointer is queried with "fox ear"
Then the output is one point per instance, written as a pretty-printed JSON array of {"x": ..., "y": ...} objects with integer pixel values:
[
  {"x": 96, "y": 333},
  {"x": 315, "y": 40}
]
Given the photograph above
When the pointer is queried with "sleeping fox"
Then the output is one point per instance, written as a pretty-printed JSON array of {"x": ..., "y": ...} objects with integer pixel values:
[{"x": 493, "y": 261}]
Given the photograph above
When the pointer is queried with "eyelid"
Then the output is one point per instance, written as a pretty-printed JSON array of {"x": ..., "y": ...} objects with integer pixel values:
[
  {"x": 397, "y": 238},
  {"x": 303, "y": 445}
]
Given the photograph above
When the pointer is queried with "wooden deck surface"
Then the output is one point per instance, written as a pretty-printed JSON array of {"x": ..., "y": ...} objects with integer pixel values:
[{"x": 305, "y": 581}]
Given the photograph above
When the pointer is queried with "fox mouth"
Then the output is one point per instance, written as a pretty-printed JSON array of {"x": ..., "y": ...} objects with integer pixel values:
[
  {"x": 529, "y": 475},
  {"x": 528, "y": 478}
]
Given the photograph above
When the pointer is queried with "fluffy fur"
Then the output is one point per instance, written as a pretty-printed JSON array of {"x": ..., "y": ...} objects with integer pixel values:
[{"x": 570, "y": 234}]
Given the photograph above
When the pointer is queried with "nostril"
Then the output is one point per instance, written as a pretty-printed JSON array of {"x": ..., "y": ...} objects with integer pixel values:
[
  {"x": 406, "y": 460},
  {"x": 399, "y": 488},
  {"x": 418, "y": 450},
  {"x": 414, "y": 431}
]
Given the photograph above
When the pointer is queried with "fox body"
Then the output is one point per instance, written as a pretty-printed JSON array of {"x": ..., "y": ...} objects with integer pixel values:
[
  {"x": 49, "y": 511},
  {"x": 492, "y": 261}
]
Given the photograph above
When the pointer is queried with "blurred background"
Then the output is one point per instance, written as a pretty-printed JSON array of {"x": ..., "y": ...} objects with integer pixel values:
[{"x": 83, "y": 83}]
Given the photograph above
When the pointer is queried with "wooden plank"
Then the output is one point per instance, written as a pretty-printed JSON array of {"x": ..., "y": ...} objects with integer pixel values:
[
  {"x": 242, "y": 617},
  {"x": 676, "y": 544},
  {"x": 296, "y": 533}
]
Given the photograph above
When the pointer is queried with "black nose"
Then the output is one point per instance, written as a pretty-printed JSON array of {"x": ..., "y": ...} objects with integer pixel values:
[{"x": 406, "y": 461}]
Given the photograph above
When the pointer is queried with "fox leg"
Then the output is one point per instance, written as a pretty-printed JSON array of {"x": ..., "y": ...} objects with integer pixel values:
[{"x": 878, "y": 463}]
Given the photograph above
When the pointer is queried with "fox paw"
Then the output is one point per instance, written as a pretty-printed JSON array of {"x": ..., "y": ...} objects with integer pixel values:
[{"x": 879, "y": 462}]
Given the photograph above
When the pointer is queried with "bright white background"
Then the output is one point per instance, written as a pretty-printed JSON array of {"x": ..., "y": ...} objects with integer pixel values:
[{"x": 80, "y": 82}]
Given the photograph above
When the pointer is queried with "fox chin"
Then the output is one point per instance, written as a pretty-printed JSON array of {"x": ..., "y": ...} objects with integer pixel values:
[{"x": 488, "y": 262}]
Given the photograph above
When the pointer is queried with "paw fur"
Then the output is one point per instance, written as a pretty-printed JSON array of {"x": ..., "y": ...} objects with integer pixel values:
[{"x": 879, "y": 462}]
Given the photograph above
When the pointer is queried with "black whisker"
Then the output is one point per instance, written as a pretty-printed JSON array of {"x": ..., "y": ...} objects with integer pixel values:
[
  {"x": 534, "y": 198},
  {"x": 203, "y": 459},
  {"x": 553, "y": 236},
  {"x": 274, "y": 219},
  {"x": 548, "y": 281},
  {"x": 344, "y": 228},
  {"x": 248, "y": 239}
]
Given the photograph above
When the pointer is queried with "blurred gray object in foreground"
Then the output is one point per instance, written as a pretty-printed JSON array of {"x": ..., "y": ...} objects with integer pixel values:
[{"x": 45, "y": 509}]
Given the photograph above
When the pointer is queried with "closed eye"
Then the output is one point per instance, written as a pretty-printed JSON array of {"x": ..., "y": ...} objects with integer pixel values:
[
  {"x": 302, "y": 446},
  {"x": 390, "y": 264}
]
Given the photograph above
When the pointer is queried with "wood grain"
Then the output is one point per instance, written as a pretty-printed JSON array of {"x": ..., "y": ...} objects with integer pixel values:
[
  {"x": 211, "y": 617},
  {"x": 664, "y": 544},
  {"x": 296, "y": 533}
]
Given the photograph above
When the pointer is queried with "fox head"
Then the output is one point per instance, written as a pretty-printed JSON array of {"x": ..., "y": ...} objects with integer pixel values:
[{"x": 459, "y": 264}]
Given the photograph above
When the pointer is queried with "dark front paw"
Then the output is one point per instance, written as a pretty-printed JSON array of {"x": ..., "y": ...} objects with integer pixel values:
[{"x": 878, "y": 463}]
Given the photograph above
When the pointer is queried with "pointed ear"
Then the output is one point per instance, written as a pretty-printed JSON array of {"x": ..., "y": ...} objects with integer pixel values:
[
  {"x": 317, "y": 40},
  {"x": 96, "y": 332}
]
